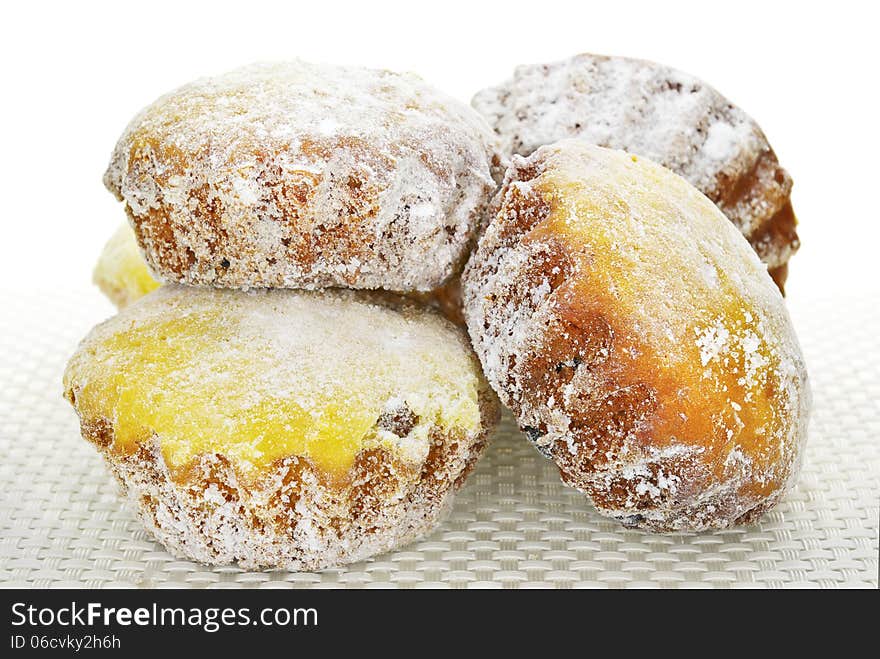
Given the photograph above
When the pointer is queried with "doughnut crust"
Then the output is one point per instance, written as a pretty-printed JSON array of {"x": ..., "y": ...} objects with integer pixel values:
[
  {"x": 638, "y": 340},
  {"x": 123, "y": 276},
  {"x": 278, "y": 428},
  {"x": 121, "y": 272},
  {"x": 299, "y": 175},
  {"x": 661, "y": 114}
]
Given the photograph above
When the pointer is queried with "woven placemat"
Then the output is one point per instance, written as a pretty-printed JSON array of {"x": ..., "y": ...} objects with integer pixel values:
[{"x": 514, "y": 524}]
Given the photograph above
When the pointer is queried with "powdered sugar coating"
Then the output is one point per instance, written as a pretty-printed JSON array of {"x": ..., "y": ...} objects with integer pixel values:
[
  {"x": 282, "y": 428},
  {"x": 305, "y": 176},
  {"x": 291, "y": 518},
  {"x": 664, "y": 115},
  {"x": 638, "y": 340},
  {"x": 123, "y": 276}
]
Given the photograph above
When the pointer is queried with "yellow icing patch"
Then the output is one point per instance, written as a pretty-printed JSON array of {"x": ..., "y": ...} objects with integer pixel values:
[
  {"x": 209, "y": 379},
  {"x": 121, "y": 272},
  {"x": 651, "y": 252}
]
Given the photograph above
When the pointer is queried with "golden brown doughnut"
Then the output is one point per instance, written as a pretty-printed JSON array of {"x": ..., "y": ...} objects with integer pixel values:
[
  {"x": 638, "y": 340},
  {"x": 662, "y": 114}
]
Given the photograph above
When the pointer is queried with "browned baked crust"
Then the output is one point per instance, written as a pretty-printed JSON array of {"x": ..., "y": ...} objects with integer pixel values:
[
  {"x": 662, "y": 114},
  {"x": 446, "y": 300}
]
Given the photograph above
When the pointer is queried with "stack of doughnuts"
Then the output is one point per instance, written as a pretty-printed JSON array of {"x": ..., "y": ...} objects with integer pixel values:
[
  {"x": 301, "y": 393},
  {"x": 278, "y": 402}
]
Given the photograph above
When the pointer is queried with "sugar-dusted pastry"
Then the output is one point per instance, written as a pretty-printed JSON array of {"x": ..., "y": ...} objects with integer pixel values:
[
  {"x": 301, "y": 175},
  {"x": 282, "y": 428},
  {"x": 662, "y": 114},
  {"x": 123, "y": 276},
  {"x": 121, "y": 272},
  {"x": 638, "y": 340}
]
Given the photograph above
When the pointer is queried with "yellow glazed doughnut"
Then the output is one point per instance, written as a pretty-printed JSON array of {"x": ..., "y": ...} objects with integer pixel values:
[
  {"x": 121, "y": 272},
  {"x": 280, "y": 428}
]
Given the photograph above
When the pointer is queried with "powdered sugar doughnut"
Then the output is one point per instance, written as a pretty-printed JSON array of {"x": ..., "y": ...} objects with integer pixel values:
[
  {"x": 662, "y": 114},
  {"x": 300, "y": 175},
  {"x": 638, "y": 340},
  {"x": 280, "y": 428}
]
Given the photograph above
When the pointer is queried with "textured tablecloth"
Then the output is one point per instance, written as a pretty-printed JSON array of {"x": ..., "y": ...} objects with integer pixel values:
[{"x": 514, "y": 524}]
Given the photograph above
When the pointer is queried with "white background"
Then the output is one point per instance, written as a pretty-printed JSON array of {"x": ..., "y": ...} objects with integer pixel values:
[{"x": 74, "y": 75}]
